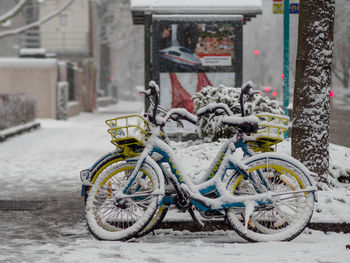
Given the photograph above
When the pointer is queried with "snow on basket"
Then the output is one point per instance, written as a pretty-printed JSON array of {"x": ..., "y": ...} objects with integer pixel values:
[
  {"x": 129, "y": 133},
  {"x": 271, "y": 131}
]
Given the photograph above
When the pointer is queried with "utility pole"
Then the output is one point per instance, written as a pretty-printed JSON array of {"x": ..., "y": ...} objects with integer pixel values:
[{"x": 286, "y": 57}]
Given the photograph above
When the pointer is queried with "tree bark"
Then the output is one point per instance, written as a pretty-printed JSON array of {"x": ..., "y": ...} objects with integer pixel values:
[{"x": 311, "y": 110}]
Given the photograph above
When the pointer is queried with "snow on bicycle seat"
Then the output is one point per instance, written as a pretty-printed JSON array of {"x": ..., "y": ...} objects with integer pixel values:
[{"x": 247, "y": 124}]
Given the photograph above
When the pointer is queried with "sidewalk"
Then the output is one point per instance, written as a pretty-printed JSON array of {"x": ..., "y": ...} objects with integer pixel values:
[{"x": 123, "y": 107}]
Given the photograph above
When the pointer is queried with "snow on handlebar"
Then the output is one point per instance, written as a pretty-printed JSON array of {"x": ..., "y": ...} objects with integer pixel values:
[
  {"x": 180, "y": 114},
  {"x": 176, "y": 115},
  {"x": 213, "y": 107},
  {"x": 152, "y": 90},
  {"x": 247, "y": 88},
  {"x": 153, "y": 84}
]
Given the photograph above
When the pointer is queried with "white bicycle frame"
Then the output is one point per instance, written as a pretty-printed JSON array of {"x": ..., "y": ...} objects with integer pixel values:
[{"x": 224, "y": 161}]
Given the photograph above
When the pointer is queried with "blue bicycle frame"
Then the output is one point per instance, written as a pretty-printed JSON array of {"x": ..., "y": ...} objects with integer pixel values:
[{"x": 215, "y": 181}]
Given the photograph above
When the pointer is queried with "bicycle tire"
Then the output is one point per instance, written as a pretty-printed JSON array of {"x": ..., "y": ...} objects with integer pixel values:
[
  {"x": 100, "y": 166},
  {"x": 155, "y": 221},
  {"x": 109, "y": 220},
  {"x": 288, "y": 216},
  {"x": 111, "y": 160}
]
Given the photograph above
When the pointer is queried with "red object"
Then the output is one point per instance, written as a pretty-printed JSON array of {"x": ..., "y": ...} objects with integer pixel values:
[
  {"x": 282, "y": 76},
  {"x": 331, "y": 94},
  {"x": 256, "y": 52},
  {"x": 267, "y": 89},
  {"x": 274, "y": 93},
  {"x": 181, "y": 98},
  {"x": 202, "y": 81},
  {"x": 347, "y": 246}
]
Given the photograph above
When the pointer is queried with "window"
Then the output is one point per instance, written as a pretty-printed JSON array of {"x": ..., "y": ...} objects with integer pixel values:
[{"x": 63, "y": 19}]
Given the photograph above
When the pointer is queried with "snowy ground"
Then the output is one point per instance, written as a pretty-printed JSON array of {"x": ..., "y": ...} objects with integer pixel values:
[
  {"x": 174, "y": 247},
  {"x": 45, "y": 164}
]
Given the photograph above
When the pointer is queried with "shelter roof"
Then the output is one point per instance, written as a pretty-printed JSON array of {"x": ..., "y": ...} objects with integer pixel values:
[{"x": 247, "y": 8}]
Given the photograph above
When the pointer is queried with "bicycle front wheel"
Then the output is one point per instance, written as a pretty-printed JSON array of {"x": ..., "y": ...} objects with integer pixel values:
[
  {"x": 287, "y": 215},
  {"x": 111, "y": 219}
]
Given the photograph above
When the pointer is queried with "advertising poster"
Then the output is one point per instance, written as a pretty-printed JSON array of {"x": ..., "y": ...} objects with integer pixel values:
[{"x": 190, "y": 53}]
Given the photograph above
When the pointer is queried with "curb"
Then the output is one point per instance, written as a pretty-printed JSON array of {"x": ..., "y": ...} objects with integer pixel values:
[
  {"x": 9, "y": 132},
  {"x": 221, "y": 225},
  {"x": 330, "y": 227}
]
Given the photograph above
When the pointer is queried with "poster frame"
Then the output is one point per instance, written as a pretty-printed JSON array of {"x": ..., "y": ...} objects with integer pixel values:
[{"x": 160, "y": 19}]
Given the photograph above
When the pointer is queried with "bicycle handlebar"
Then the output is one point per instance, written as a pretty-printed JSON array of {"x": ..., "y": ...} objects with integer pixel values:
[
  {"x": 174, "y": 114},
  {"x": 246, "y": 90},
  {"x": 212, "y": 108},
  {"x": 154, "y": 91},
  {"x": 180, "y": 114},
  {"x": 247, "y": 124}
]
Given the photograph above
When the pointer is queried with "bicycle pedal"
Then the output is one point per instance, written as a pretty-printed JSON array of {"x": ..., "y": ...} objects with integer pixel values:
[{"x": 209, "y": 214}]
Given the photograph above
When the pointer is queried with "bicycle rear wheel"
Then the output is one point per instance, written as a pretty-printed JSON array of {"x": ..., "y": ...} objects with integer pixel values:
[
  {"x": 287, "y": 216},
  {"x": 103, "y": 164},
  {"x": 111, "y": 219}
]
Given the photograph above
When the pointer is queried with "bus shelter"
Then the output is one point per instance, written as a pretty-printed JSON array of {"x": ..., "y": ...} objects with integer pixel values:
[{"x": 192, "y": 44}]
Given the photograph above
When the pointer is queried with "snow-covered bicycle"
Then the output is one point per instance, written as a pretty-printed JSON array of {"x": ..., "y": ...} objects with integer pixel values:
[{"x": 265, "y": 197}]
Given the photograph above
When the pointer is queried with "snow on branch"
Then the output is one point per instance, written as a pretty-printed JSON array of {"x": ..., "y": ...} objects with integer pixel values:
[
  {"x": 14, "y": 11},
  {"x": 37, "y": 23}
]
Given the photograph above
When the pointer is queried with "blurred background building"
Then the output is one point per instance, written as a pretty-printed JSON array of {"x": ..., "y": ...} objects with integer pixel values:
[{"x": 100, "y": 53}]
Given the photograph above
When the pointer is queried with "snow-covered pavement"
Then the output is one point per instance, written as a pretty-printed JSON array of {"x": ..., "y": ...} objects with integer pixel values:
[
  {"x": 75, "y": 245},
  {"x": 44, "y": 165}
]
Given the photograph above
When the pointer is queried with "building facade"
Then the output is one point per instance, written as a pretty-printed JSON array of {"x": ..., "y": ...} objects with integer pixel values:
[{"x": 67, "y": 34}]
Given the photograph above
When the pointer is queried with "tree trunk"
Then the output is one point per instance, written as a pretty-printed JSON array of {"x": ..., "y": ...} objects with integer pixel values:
[{"x": 311, "y": 110}]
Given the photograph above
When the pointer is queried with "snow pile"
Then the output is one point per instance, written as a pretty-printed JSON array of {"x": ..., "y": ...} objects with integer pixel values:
[{"x": 209, "y": 129}]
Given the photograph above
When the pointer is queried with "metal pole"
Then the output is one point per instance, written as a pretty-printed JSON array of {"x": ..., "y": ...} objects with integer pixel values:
[
  {"x": 286, "y": 57},
  {"x": 147, "y": 62}
]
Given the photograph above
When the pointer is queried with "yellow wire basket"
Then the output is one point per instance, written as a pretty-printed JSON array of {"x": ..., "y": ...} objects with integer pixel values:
[
  {"x": 129, "y": 133},
  {"x": 271, "y": 131}
]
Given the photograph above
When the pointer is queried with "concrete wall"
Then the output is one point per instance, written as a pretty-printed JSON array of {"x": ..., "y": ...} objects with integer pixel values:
[
  {"x": 76, "y": 86},
  {"x": 16, "y": 109},
  {"x": 37, "y": 77}
]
